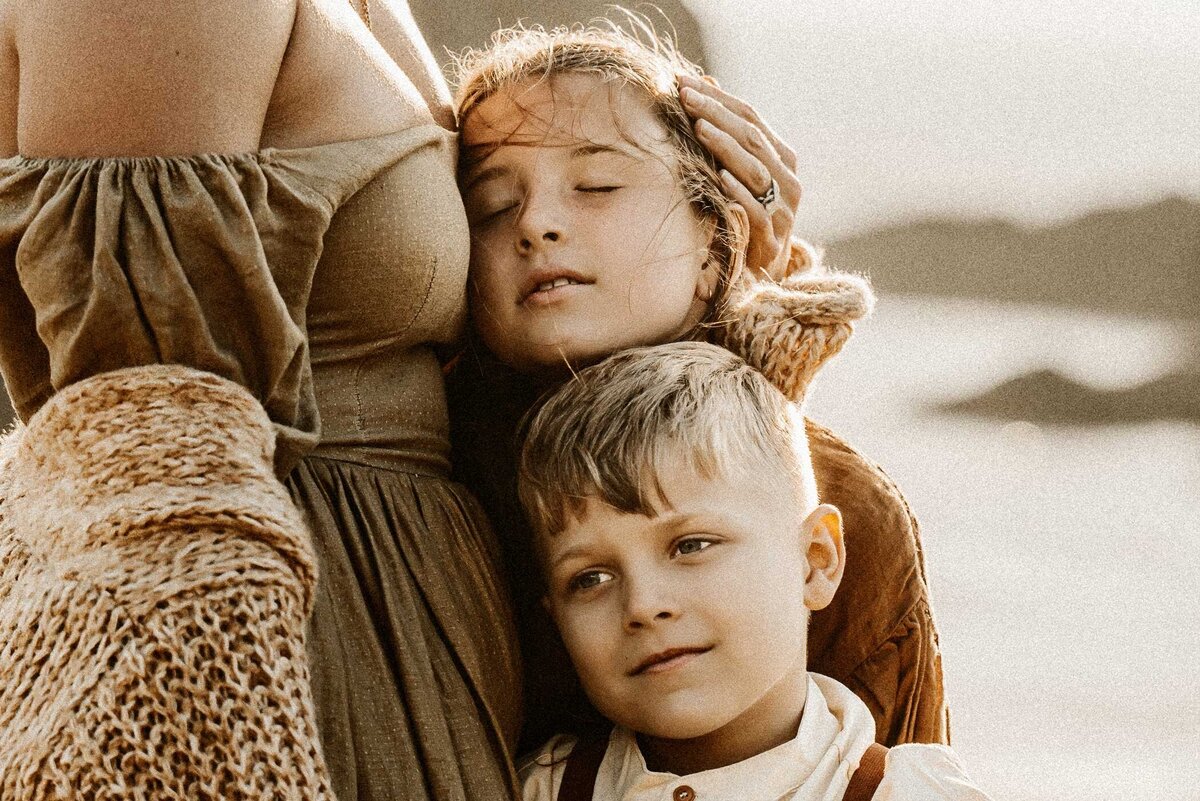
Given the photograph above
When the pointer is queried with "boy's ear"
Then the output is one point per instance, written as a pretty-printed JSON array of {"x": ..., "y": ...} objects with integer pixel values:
[{"x": 826, "y": 555}]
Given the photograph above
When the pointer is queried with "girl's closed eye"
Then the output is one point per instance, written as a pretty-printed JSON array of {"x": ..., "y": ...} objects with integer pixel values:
[
  {"x": 494, "y": 214},
  {"x": 492, "y": 201}
]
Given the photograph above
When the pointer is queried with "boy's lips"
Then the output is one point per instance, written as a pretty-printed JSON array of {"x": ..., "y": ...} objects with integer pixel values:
[{"x": 665, "y": 660}]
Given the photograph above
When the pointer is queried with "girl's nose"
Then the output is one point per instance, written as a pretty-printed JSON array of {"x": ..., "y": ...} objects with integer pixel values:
[
  {"x": 541, "y": 223},
  {"x": 526, "y": 243}
]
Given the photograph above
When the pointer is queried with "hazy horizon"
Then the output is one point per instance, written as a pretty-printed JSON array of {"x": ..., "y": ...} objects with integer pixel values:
[{"x": 1035, "y": 112}]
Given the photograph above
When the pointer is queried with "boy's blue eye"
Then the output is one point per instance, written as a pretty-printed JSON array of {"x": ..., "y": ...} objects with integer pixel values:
[
  {"x": 691, "y": 546},
  {"x": 588, "y": 580}
]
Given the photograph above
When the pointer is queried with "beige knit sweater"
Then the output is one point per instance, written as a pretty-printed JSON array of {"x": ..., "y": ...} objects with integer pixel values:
[{"x": 155, "y": 579}]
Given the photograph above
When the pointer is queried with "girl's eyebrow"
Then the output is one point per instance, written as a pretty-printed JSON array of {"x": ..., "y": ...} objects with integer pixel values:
[
  {"x": 484, "y": 175},
  {"x": 590, "y": 149}
]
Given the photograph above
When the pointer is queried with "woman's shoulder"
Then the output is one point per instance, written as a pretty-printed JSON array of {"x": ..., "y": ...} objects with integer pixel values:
[
  {"x": 231, "y": 76},
  {"x": 8, "y": 81},
  {"x": 150, "y": 77}
]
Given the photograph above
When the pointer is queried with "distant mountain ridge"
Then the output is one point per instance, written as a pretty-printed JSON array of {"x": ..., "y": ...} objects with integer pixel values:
[
  {"x": 1048, "y": 397},
  {"x": 1141, "y": 260}
]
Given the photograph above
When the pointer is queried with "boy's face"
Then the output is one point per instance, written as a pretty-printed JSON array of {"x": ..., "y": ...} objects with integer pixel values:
[
  {"x": 582, "y": 241},
  {"x": 692, "y": 625}
]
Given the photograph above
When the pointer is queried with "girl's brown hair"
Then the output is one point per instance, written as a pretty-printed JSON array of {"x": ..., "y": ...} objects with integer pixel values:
[{"x": 641, "y": 58}]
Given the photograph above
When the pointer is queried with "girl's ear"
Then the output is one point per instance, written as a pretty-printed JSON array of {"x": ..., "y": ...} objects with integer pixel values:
[
  {"x": 709, "y": 278},
  {"x": 739, "y": 240},
  {"x": 825, "y": 553}
]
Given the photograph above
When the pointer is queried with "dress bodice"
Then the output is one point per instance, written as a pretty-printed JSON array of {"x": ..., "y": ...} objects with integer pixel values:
[
  {"x": 283, "y": 270},
  {"x": 389, "y": 286}
]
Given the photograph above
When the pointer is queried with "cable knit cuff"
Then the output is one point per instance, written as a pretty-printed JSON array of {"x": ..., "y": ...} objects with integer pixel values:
[
  {"x": 155, "y": 579},
  {"x": 130, "y": 454},
  {"x": 787, "y": 330}
]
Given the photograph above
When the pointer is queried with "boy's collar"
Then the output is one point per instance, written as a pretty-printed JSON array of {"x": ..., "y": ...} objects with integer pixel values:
[{"x": 836, "y": 727}]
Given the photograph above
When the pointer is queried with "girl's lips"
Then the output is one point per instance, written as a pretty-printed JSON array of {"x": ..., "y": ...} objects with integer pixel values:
[{"x": 547, "y": 297}]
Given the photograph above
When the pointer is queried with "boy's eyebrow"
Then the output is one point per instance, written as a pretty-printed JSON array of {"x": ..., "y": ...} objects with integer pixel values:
[
  {"x": 668, "y": 520},
  {"x": 570, "y": 553}
]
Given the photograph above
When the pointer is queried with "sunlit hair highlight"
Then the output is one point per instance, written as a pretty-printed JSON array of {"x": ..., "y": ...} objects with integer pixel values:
[
  {"x": 608, "y": 432},
  {"x": 641, "y": 58}
]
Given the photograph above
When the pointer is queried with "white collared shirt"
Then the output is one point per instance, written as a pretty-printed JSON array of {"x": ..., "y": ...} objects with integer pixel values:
[{"x": 816, "y": 765}]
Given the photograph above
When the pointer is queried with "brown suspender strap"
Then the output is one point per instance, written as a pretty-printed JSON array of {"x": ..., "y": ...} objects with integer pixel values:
[
  {"x": 583, "y": 766},
  {"x": 866, "y": 779}
]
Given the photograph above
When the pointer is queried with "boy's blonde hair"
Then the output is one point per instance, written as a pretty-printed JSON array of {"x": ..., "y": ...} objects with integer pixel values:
[
  {"x": 607, "y": 432},
  {"x": 643, "y": 59}
]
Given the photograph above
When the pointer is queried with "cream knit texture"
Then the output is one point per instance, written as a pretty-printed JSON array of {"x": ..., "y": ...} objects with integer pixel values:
[
  {"x": 788, "y": 329},
  {"x": 155, "y": 579}
]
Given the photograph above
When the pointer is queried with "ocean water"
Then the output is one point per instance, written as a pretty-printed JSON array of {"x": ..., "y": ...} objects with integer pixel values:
[{"x": 1064, "y": 561}]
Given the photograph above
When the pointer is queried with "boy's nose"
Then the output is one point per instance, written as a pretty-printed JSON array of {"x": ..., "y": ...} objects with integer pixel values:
[
  {"x": 646, "y": 607},
  {"x": 640, "y": 621}
]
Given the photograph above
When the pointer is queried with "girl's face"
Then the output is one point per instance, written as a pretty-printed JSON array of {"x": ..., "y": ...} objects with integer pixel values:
[{"x": 583, "y": 242}]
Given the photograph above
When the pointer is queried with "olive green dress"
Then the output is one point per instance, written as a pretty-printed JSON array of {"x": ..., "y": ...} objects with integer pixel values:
[{"x": 321, "y": 279}]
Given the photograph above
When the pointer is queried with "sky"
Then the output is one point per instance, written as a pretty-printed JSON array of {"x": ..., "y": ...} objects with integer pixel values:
[{"x": 1031, "y": 111}]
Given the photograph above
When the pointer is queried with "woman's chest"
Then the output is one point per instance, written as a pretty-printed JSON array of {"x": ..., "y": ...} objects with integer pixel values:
[
  {"x": 340, "y": 80},
  {"x": 393, "y": 269}
]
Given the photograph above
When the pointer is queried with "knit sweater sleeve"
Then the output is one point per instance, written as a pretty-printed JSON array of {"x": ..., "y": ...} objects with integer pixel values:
[
  {"x": 155, "y": 579},
  {"x": 788, "y": 329}
]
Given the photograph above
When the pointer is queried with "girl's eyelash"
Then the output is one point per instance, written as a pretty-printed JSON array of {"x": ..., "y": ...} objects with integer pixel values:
[
  {"x": 493, "y": 215},
  {"x": 598, "y": 189}
]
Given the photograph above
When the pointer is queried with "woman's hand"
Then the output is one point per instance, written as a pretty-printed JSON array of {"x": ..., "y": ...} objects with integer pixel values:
[{"x": 754, "y": 160}]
